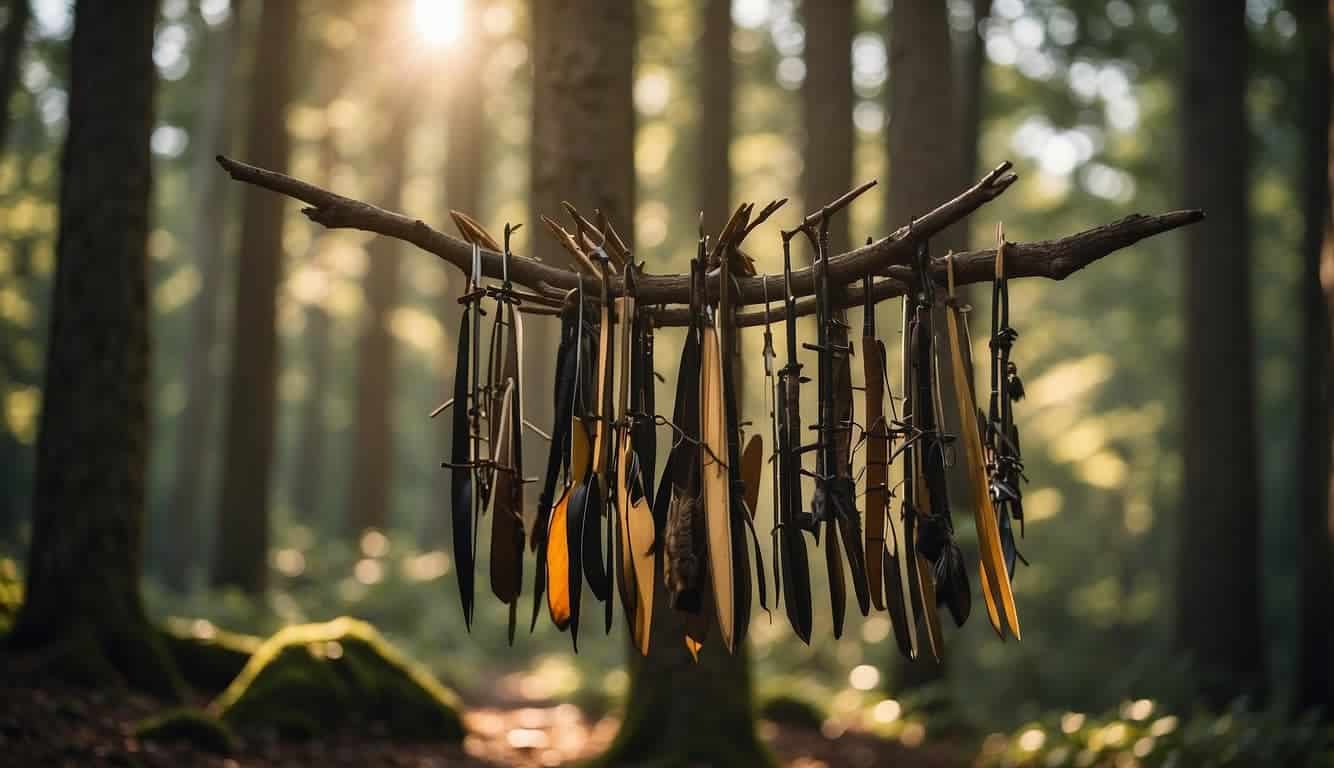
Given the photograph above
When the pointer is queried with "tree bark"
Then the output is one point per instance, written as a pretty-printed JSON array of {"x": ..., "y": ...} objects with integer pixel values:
[
  {"x": 83, "y": 605},
  {"x": 716, "y": 78},
  {"x": 923, "y": 129},
  {"x": 972, "y": 99},
  {"x": 243, "y": 512},
  {"x": 370, "y": 492},
  {"x": 582, "y": 147},
  {"x": 11, "y": 51},
  {"x": 665, "y": 721},
  {"x": 1218, "y": 573},
  {"x": 826, "y": 97},
  {"x": 1315, "y": 538},
  {"x": 924, "y": 160},
  {"x": 181, "y": 542}
]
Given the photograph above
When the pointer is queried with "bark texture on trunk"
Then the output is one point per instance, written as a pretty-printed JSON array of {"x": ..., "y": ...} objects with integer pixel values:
[
  {"x": 583, "y": 114},
  {"x": 826, "y": 97},
  {"x": 924, "y": 163},
  {"x": 716, "y": 80},
  {"x": 1315, "y": 537},
  {"x": 181, "y": 542},
  {"x": 83, "y": 604},
  {"x": 1218, "y": 574},
  {"x": 242, "y": 536},
  {"x": 972, "y": 99},
  {"x": 583, "y": 137},
  {"x": 682, "y": 713},
  {"x": 370, "y": 491}
]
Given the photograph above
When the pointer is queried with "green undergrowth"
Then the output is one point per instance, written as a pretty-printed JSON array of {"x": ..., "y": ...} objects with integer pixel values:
[
  {"x": 189, "y": 726},
  {"x": 1136, "y": 735},
  {"x": 311, "y": 679}
]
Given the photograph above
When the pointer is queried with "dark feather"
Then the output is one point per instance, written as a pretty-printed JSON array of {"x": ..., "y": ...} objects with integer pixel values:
[{"x": 461, "y": 476}]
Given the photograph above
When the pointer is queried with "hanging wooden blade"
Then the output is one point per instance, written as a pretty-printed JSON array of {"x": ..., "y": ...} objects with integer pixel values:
[
  {"x": 794, "y": 565},
  {"x": 563, "y": 406},
  {"x": 716, "y": 485},
  {"x": 752, "y": 463},
  {"x": 994, "y": 577},
  {"x": 926, "y": 581},
  {"x": 506, "y": 566},
  {"x": 877, "y": 467},
  {"x": 461, "y": 476}
]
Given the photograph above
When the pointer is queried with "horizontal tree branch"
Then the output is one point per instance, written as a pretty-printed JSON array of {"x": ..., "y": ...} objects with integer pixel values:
[
  {"x": 337, "y": 212},
  {"x": 1053, "y": 259}
]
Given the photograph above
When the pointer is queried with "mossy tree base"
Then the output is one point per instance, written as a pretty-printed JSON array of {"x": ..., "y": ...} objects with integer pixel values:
[
  {"x": 679, "y": 712},
  {"x": 85, "y": 651},
  {"x": 312, "y": 679},
  {"x": 208, "y": 658}
]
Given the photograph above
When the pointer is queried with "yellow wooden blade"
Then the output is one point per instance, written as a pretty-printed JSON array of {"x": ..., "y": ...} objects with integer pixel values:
[
  {"x": 637, "y": 551},
  {"x": 995, "y": 580},
  {"x": 601, "y": 428},
  {"x": 716, "y": 485},
  {"x": 926, "y": 582}
]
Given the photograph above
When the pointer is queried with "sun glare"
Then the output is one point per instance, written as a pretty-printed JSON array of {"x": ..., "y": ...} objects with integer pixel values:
[{"x": 438, "y": 22}]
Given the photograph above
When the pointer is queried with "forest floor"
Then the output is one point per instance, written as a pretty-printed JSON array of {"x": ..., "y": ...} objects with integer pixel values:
[{"x": 70, "y": 727}]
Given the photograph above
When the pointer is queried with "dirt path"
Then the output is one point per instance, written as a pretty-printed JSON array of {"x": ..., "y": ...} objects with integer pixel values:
[{"x": 40, "y": 727}]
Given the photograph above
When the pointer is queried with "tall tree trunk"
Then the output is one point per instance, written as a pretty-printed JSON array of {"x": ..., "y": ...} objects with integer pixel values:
[
  {"x": 1315, "y": 541},
  {"x": 583, "y": 114},
  {"x": 243, "y": 512},
  {"x": 583, "y": 151},
  {"x": 664, "y": 721},
  {"x": 307, "y": 458},
  {"x": 924, "y": 160},
  {"x": 972, "y": 101},
  {"x": 1218, "y": 574},
  {"x": 826, "y": 99},
  {"x": 582, "y": 147},
  {"x": 465, "y": 154},
  {"x": 83, "y": 604},
  {"x": 17, "y": 13},
  {"x": 716, "y": 80},
  {"x": 181, "y": 543},
  {"x": 370, "y": 475}
]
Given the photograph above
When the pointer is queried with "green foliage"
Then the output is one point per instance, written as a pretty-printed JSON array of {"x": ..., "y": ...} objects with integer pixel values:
[
  {"x": 1135, "y": 734},
  {"x": 190, "y": 726},
  {"x": 313, "y": 679}
]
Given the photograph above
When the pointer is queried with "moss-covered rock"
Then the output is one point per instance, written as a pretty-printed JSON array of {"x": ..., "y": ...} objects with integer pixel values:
[
  {"x": 311, "y": 679},
  {"x": 189, "y": 726},
  {"x": 209, "y": 658}
]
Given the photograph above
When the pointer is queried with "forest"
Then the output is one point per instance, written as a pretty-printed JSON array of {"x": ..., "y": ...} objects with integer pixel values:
[{"x": 249, "y": 250}]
